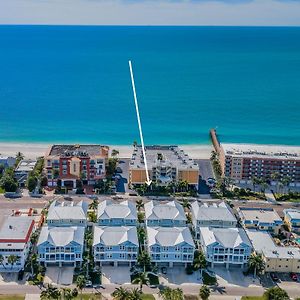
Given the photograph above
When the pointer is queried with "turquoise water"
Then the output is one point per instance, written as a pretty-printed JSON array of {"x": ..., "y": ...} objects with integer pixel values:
[{"x": 72, "y": 84}]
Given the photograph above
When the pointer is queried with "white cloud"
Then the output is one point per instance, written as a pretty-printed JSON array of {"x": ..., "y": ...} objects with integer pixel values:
[{"x": 155, "y": 12}]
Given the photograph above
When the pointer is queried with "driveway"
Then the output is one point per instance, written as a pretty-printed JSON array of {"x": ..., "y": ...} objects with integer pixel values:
[
  {"x": 122, "y": 182},
  {"x": 178, "y": 276},
  {"x": 59, "y": 275},
  {"x": 9, "y": 278},
  {"x": 234, "y": 277},
  {"x": 116, "y": 275},
  {"x": 206, "y": 171}
]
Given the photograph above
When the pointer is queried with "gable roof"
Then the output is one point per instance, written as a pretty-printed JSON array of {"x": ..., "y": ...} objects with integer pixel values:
[
  {"x": 213, "y": 212},
  {"x": 169, "y": 236},
  {"x": 108, "y": 209},
  {"x": 226, "y": 237},
  {"x": 61, "y": 236},
  {"x": 67, "y": 210},
  {"x": 113, "y": 236},
  {"x": 172, "y": 210},
  {"x": 293, "y": 213}
]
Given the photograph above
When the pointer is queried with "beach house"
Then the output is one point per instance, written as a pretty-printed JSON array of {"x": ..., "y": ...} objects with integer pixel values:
[{"x": 292, "y": 219}]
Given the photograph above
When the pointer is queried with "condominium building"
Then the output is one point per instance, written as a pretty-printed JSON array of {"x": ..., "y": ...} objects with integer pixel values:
[
  {"x": 115, "y": 245},
  {"x": 225, "y": 246},
  {"x": 62, "y": 246},
  {"x": 169, "y": 214},
  {"x": 15, "y": 234},
  {"x": 242, "y": 162},
  {"x": 292, "y": 219},
  {"x": 166, "y": 164},
  {"x": 70, "y": 163},
  {"x": 265, "y": 219},
  {"x": 67, "y": 213},
  {"x": 170, "y": 246},
  {"x": 277, "y": 258},
  {"x": 214, "y": 215},
  {"x": 111, "y": 213}
]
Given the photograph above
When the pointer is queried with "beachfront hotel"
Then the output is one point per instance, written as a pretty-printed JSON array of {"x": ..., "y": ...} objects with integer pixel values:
[
  {"x": 166, "y": 164},
  {"x": 70, "y": 163},
  {"x": 242, "y": 162}
]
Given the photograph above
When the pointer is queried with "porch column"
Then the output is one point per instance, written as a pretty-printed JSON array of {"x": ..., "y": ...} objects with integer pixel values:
[
  {"x": 62, "y": 183},
  {"x": 74, "y": 183}
]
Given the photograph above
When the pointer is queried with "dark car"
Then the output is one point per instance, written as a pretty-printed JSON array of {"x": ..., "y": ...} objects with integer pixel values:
[
  {"x": 294, "y": 276},
  {"x": 274, "y": 276}
]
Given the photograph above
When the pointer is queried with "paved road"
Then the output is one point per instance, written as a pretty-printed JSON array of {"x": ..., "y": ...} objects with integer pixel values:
[
  {"x": 206, "y": 172},
  {"x": 122, "y": 183}
]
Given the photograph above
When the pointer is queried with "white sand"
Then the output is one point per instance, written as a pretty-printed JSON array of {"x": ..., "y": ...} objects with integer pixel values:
[{"x": 35, "y": 150}]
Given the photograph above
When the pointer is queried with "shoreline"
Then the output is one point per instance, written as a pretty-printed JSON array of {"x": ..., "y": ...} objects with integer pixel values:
[{"x": 34, "y": 150}]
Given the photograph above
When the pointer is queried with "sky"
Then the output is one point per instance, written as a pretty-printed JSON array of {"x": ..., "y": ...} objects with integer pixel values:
[{"x": 151, "y": 12}]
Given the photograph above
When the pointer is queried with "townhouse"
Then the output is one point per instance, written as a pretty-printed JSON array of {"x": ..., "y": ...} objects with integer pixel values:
[
  {"x": 229, "y": 247},
  {"x": 215, "y": 215},
  {"x": 277, "y": 258},
  {"x": 15, "y": 233},
  {"x": 111, "y": 213},
  {"x": 67, "y": 213},
  {"x": 292, "y": 219},
  {"x": 169, "y": 214},
  {"x": 61, "y": 246},
  {"x": 72, "y": 163},
  {"x": 166, "y": 165},
  {"x": 170, "y": 246},
  {"x": 115, "y": 245},
  {"x": 260, "y": 218}
]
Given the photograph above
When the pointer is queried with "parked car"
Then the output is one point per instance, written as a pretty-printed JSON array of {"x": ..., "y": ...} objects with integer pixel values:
[
  {"x": 88, "y": 284},
  {"x": 294, "y": 276},
  {"x": 274, "y": 276}
]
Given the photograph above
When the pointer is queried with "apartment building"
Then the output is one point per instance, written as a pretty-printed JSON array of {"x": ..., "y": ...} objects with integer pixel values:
[
  {"x": 292, "y": 219},
  {"x": 165, "y": 214},
  {"x": 214, "y": 215},
  {"x": 115, "y": 245},
  {"x": 61, "y": 246},
  {"x": 70, "y": 163},
  {"x": 242, "y": 162},
  {"x": 166, "y": 164},
  {"x": 170, "y": 246},
  {"x": 225, "y": 246},
  {"x": 265, "y": 219},
  {"x": 277, "y": 258},
  {"x": 15, "y": 234},
  {"x": 111, "y": 213},
  {"x": 67, "y": 213}
]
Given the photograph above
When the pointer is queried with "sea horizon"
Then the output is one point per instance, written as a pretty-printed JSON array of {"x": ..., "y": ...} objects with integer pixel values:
[{"x": 71, "y": 84}]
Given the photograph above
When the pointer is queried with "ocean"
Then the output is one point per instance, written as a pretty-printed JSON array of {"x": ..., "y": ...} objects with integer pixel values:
[{"x": 72, "y": 84}]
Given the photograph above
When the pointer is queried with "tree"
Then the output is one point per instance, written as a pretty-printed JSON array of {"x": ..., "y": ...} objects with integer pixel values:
[
  {"x": 276, "y": 293},
  {"x": 141, "y": 279},
  {"x": 257, "y": 263},
  {"x": 139, "y": 204},
  {"x": 204, "y": 292},
  {"x": 224, "y": 183},
  {"x": 19, "y": 156},
  {"x": 94, "y": 204},
  {"x": 12, "y": 259},
  {"x": 285, "y": 181},
  {"x": 114, "y": 153},
  {"x": 141, "y": 235},
  {"x": 69, "y": 294},
  {"x": 80, "y": 284},
  {"x": 2, "y": 260},
  {"x": 171, "y": 294},
  {"x": 2, "y": 167},
  {"x": 199, "y": 262},
  {"x": 50, "y": 293},
  {"x": 120, "y": 293},
  {"x": 144, "y": 260},
  {"x": 186, "y": 204},
  {"x": 134, "y": 144},
  {"x": 135, "y": 294},
  {"x": 8, "y": 183},
  {"x": 31, "y": 182}
]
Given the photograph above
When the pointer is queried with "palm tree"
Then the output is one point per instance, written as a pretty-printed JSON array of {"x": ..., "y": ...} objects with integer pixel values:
[
  {"x": 257, "y": 263},
  {"x": 69, "y": 294},
  {"x": 285, "y": 181},
  {"x": 204, "y": 292},
  {"x": 114, "y": 153},
  {"x": 171, "y": 294},
  {"x": 199, "y": 262},
  {"x": 141, "y": 235},
  {"x": 139, "y": 204},
  {"x": 50, "y": 293},
  {"x": 135, "y": 294},
  {"x": 19, "y": 156},
  {"x": 94, "y": 204},
  {"x": 275, "y": 177},
  {"x": 186, "y": 204},
  {"x": 12, "y": 259},
  {"x": 80, "y": 284},
  {"x": 141, "y": 279},
  {"x": 2, "y": 260},
  {"x": 144, "y": 259},
  {"x": 120, "y": 293}
]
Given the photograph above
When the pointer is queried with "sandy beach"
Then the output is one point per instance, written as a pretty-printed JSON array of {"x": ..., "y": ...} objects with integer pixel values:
[{"x": 34, "y": 150}]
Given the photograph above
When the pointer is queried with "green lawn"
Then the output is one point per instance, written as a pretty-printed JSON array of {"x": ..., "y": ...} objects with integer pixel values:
[
  {"x": 2, "y": 191},
  {"x": 12, "y": 297},
  {"x": 147, "y": 297}
]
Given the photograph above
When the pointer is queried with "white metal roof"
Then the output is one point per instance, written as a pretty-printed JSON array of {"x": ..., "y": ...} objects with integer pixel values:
[
  {"x": 108, "y": 209},
  {"x": 156, "y": 210}
]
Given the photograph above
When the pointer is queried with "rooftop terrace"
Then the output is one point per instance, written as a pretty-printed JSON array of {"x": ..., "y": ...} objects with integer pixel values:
[{"x": 77, "y": 150}]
